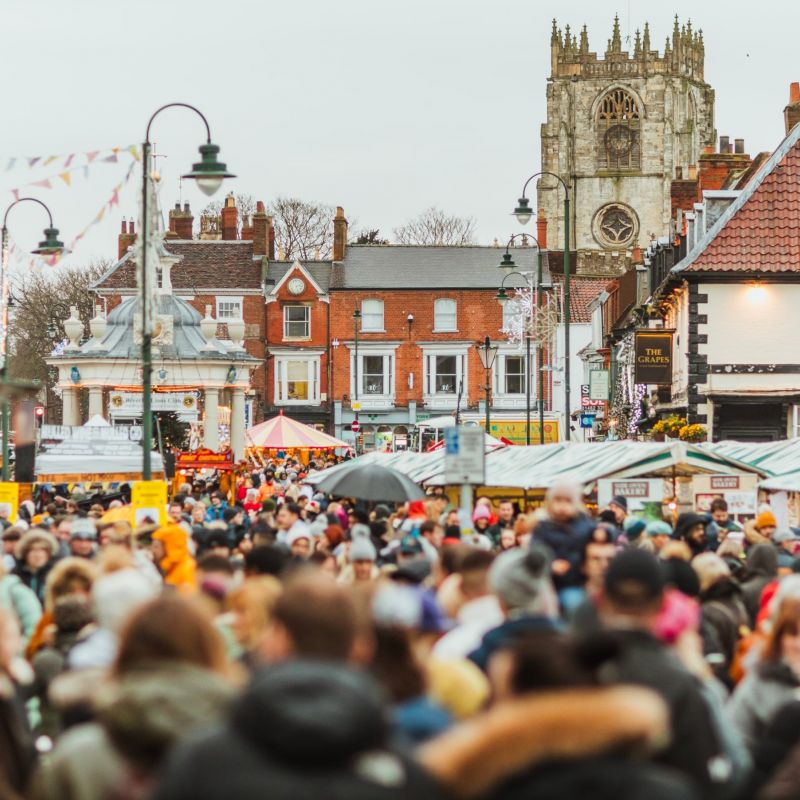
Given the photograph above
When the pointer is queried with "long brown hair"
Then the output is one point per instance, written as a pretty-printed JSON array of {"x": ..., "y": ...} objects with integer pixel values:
[
  {"x": 787, "y": 622},
  {"x": 169, "y": 628}
]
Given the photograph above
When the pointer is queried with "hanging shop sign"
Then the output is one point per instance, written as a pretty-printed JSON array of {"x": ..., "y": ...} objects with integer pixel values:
[
  {"x": 599, "y": 384},
  {"x": 205, "y": 459},
  {"x": 653, "y": 354}
]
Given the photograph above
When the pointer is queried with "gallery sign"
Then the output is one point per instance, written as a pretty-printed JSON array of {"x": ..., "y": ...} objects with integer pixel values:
[{"x": 653, "y": 353}]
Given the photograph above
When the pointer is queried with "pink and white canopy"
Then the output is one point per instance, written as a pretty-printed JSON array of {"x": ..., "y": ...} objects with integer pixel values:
[{"x": 284, "y": 433}]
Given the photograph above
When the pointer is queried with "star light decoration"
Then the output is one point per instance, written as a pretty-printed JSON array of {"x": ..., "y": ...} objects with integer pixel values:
[{"x": 522, "y": 316}]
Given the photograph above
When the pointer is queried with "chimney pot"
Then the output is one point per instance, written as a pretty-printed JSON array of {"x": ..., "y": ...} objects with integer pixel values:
[
  {"x": 738, "y": 146},
  {"x": 791, "y": 114},
  {"x": 260, "y": 207},
  {"x": 794, "y": 92},
  {"x": 230, "y": 219},
  {"x": 692, "y": 172},
  {"x": 679, "y": 173},
  {"x": 724, "y": 144},
  {"x": 186, "y": 209}
]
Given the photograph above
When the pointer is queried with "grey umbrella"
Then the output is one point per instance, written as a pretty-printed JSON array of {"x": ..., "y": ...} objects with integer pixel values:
[{"x": 370, "y": 482}]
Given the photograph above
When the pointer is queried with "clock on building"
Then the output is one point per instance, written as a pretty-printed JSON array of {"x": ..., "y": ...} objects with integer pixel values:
[{"x": 296, "y": 286}]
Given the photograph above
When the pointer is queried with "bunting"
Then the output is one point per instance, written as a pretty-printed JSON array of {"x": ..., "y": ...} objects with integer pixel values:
[{"x": 12, "y": 162}]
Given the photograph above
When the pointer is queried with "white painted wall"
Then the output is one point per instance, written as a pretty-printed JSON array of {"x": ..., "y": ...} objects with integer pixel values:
[{"x": 580, "y": 335}]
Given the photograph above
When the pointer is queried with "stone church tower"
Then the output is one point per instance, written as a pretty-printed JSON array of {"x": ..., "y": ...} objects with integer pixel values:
[{"x": 619, "y": 129}]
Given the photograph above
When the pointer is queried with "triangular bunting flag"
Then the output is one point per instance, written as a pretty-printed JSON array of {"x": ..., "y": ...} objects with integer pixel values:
[
  {"x": 100, "y": 214},
  {"x": 69, "y": 160},
  {"x": 112, "y": 158},
  {"x": 134, "y": 151},
  {"x": 85, "y": 171},
  {"x": 66, "y": 177},
  {"x": 114, "y": 199},
  {"x": 32, "y": 161},
  {"x": 11, "y": 163},
  {"x": 91, "y": 156},
  {"x": 45, "y": 184},
  {"x": 49, "y": 160},
  {"x": 15, "y": 192},
  {"x": 115, "y": 149}
]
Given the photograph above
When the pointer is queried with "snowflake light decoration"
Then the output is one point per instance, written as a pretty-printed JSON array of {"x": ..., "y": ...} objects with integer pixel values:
[{"x": 522, "y": 316}]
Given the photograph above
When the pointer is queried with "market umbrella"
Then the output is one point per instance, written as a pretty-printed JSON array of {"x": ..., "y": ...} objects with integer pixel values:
[
  {"x": 285, "y": 433},
  {"x": 370, "y": 481}
]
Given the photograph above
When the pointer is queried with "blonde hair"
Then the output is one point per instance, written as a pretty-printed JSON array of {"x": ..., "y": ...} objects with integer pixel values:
[
  {"x": 254, "y": 600},
  {"x": 709, "y": 568}
]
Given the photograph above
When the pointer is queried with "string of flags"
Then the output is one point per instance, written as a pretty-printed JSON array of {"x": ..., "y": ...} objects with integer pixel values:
[
  {"x": 69, "y": 168},
  {"x": 20, "y": 255},
  {"x": 67, "y": 159}
]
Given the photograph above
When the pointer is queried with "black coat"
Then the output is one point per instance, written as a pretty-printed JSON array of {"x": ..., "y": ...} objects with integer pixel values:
[
  {"x": 35, "y": 581},
  {"x": 723, "y": 608},
  {"x": 566, "y": 541},
  {"x": 303, "y": 730}
]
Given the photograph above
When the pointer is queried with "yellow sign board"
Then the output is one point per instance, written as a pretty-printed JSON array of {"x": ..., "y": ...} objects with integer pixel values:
[
  {"x": 149, "y": 501},
  {"x": 9, "y": 501},
  {"x": 514, "y": 431}
]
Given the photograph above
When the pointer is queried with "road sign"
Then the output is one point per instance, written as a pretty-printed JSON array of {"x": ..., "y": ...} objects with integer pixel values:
[
  {"x": 587, "y": 420},
  {"x": 464, "y": 455},
  {"x": 355, "y": 426}
]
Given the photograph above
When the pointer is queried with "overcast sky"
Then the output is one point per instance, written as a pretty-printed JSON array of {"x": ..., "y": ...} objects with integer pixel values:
[{"x": 383, "y": 108}]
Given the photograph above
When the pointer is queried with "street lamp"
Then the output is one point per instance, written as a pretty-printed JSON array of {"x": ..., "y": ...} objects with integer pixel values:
[
  {"x": 502, "y": 297},
  {"x": 356, "y": 321},
  {"x": 51, "y": 246},
  {"x": 208, "y": 173},
  {"x": 523, "y": 214},
  {"x": 487, "y": 352}
]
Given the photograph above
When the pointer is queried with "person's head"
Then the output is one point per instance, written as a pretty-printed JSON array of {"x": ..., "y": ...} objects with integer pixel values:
[
  {"x": 69, "y": 576},
  {"x": 719, "y": 510},
  {"x": 598, "y": 553},
  {"x": 288, "y": 514},
  {"x": 691, "y": 528},
  {"x": 633, "y": 589},
  {"x": 508, "y": 539},
  {"x": 198, "y": 514},
  {"x": 710, "y": 569},
  {"x": 481, "y": 517},
  {"x": 362, "y": 556},
  {"x": 172, "y": 629},
  {"x": 175, "y": 511},
  {"x": 332, "y": 537},
  {"x": 563, "y": 501},
  {"x": 325, "y": 562},
  {"x": 521, "y": 581},
  {"x": 217, "y": 499},
  {"x": 10, "y": 538},
  {"x": 766, "y": 524},
  {"x": 474, "y": 570},
  {"x": 659, "y": 533},
  {"x": 433, "y": 532},
  {"x": 265, "y": 559},
  {"x": 217, "y": 542},
  {"x": 233, "y": 515},
  {"x": 505, "y": 511},
  {"x": 35, "y": 549},
  {"x": 299, "y": 544},
  {"x": 619, "y": 507},
  {"x": 452, "y": 519},
  {"x": 251, "y": 605},
  {"x": 314, "y": 617},
  {"x": 63, "y": 528},
  {"x": 784, "y": 638},
  {"x": 785, "y": 540},
  {"x": 83, "y": 537}
]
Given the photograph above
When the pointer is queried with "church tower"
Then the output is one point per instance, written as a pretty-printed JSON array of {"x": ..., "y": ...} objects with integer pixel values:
[{"x": 619, "y": 129}]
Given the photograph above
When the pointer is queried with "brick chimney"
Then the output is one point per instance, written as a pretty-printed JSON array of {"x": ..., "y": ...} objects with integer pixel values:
[
  {"x": 184, "y": 221},
  {"x": 230, "y": 220},
  {"x": 791, "y": 114},
  {"x": 541, "y": 229},
  {"x": 339, "y": 234},
  {"x": 127, "y": 237},
  {"x": 716, "y": 168},
  {"x": 263, "y": 233}
]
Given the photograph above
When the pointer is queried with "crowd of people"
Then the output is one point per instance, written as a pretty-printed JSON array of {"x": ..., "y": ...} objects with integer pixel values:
[{"x": 274, "y": 642}]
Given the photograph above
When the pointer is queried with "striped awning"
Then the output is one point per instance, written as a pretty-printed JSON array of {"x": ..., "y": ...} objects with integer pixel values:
[{"x": 284, "y": 433}]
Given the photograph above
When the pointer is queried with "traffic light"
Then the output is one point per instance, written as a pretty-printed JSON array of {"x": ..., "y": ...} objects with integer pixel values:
[{"x": 38, "y": 413}]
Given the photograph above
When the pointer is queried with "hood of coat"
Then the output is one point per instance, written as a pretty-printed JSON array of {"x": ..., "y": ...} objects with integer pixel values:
[
  {"x": 721, "y": 590},
  {"x": 149, "y": 709},
  {"x": 762, "y": 560},
  {"x": 176, "y": 545},
  {"x": 312, "y": 713}
]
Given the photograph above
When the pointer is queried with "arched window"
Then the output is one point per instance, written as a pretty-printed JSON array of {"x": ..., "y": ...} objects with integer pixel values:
[
  {"x": 444, "y": 315},
  {"x": 618, "y": 129}
]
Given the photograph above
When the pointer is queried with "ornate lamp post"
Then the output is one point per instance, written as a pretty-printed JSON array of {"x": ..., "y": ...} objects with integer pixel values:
[
  {"x": 51, "y": 246},
  {"x": 209, "y": 173},
  {"x": 487, "y": 352},
  {"x": 523, "y": 213},
  {"x": 356, "y": 322}
]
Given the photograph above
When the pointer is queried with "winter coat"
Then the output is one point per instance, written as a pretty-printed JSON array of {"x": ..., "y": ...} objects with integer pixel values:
[
  {"x": 722, "y": 607},
  {"x": 758, "y": 697},
  {"x": 505, "y": 633},
  {"x": 303, "y": 729},
  {"x": 644, "y": 661},
  {"x": 778, "y": 750},
  {"x": 420, "y": 719},
  {"x": 685, "y": 522},
  {"x": 23, "y": 602},
  {"x": 35, "y": 581},
  {"x": 566, "y": 541},
  {"x": 541, "y": 745},
  {"x": 177, "y": 566},
  {"x": 762, "y": 568},
  {"x": 138, "y": 721},
  {"x": 16, "y": 742}
]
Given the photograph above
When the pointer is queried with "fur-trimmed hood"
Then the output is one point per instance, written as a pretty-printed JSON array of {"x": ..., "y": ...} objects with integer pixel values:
[
  {"x": 516, "y": 735},
  {"x": 33, "y": 536}
]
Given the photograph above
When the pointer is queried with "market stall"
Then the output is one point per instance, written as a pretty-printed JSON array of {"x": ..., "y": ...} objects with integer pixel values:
[{"x": 287, "y": 435}]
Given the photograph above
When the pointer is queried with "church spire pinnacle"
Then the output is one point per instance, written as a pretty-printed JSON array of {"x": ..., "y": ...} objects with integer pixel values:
[
  {"x": 637, "y": 44},
  {"x": 646, "y": 39},
  {"x": 616, "y": 39},
  {"x": 584, "y": 40}
]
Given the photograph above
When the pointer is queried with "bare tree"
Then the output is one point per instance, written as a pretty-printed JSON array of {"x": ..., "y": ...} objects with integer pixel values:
[
  {"x": 303, "y": 230},
  {"x": 435, "y": 227},
  {"x": 40, "y": 303}
]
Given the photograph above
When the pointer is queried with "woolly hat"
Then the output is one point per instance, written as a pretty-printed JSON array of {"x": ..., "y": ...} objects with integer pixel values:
[
  {"x": 766, "y": 519},
  {"x": 619, "y": 500},
  {"x": 658, "y": 527},
  {"x": 634, "y": 527},
  {"x": 32, "y": 537},
  {"x": 83, "y": 528},
  {"x": 521, "y": 580},
  {"x": 481, "y": 512},
  {"x": 362, "y": 550},
  {"x": 295, "y": 536},
  {"x": 359, "y": 531},
  {"x": 116, "y": 595}
]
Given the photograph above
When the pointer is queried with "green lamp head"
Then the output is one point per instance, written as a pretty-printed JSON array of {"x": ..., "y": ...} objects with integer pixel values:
[{"x": 209, "y": 172}]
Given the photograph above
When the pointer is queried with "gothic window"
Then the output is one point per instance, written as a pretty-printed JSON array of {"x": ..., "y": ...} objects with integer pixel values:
[
  {"x": 615, "y": 226},
  {"x": 618, "y": 130}
]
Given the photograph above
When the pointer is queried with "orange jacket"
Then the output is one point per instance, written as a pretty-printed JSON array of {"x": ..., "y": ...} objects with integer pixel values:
[{"x": 177, "y": 565}]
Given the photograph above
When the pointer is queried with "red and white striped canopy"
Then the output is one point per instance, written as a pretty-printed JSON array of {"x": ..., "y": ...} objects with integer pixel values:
[{"x": 284, "y": 433}]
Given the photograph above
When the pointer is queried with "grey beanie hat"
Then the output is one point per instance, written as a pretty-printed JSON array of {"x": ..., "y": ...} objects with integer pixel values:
[
  {"x": 521, "y": 581},
  {"x": 359, "y": 531},
  {"x": 362, "y": 549}
]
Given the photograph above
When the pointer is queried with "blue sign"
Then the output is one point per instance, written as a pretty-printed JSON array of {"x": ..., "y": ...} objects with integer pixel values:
[
  {"x": 451, "y": 441},
  {"x": 587, "y": 420}
]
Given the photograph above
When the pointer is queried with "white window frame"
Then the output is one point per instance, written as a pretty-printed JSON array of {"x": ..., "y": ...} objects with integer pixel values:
[
  {"x": 281, "y": 379},
  {"x": 371, "y": 316},
  {"x": 230, "y": 300},
  {"x": 516, "y": 399},
  {"x": 449, "y": 327},
  {"x": 286, "y": 336},
  {"x": 388, "y": 353},
  {"x": 448, "y": 400}
]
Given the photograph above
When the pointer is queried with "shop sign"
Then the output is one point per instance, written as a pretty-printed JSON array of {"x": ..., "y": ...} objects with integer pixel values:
[
  {"x": 122, "y": 404},
  {"x": 653, "y": 354},
  {"x": 599, "y": 384},
  {"x": 586, "y": 398},
  {"x": 725, "y": 482},
  {"x": 205, "y": 459},
  {"x": 514, "y": 431},
  {"x": 149, "y": 501}
]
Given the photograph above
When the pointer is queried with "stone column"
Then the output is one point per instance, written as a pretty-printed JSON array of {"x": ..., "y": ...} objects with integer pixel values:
[
  {"x": 211, "y": 422},
  {"x": 237, "y": 422},
  {"x": 95, "y": 401},
  {"x": 69, "y": 405}
]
